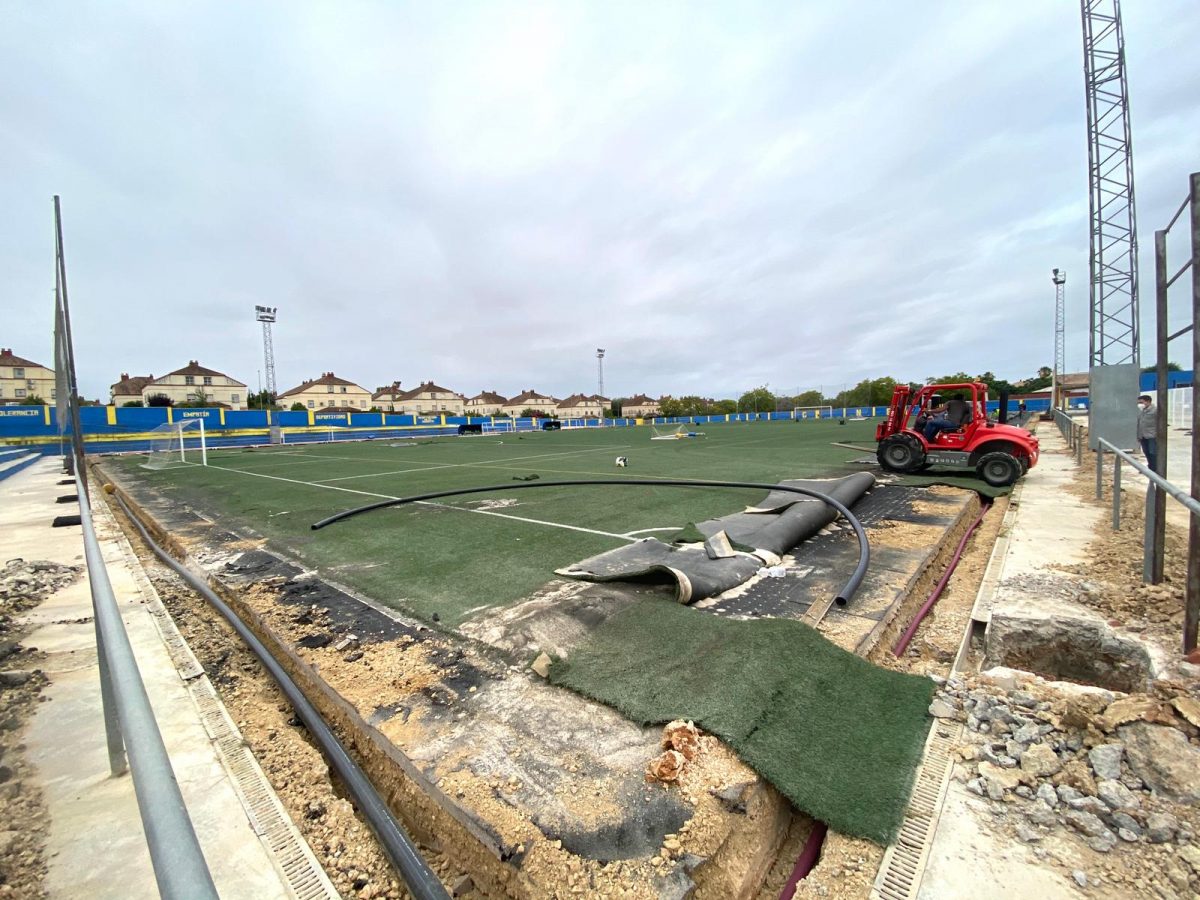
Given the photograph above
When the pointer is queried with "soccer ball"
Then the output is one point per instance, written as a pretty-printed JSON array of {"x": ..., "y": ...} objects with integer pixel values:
[{"x": 622, "y": 462}]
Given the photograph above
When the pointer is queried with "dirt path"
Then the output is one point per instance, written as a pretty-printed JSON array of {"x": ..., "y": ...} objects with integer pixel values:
[{"x": 23, "y": 817}]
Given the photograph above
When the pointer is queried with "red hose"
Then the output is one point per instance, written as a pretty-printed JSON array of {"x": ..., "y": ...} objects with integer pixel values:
[
  {"x": 902, "y": 644},
  {"x": 806, "y": 861}
]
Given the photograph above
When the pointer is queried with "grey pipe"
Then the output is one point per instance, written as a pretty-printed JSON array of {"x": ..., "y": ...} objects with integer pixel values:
[
  {"x": 422, "y": 883},
  {"x": 179, "y": 867},
  {"x": 842, "y": 598}
]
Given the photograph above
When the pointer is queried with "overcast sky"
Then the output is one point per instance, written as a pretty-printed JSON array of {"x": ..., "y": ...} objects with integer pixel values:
[{"x": 720, "y": 194}]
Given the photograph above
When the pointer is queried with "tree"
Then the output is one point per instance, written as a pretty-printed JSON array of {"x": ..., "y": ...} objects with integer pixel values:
[
  {"x": 33, "y": 400},
  {"x": 531, "y": 413},
  {"x": 159, "y": 400},
  {"x": 298, "y": 407},
  {"x": 757, "y": 400},
  {"x": 724, "y": 407},
  {"x": 199, "y": 400},
  {"x": 1171, "y": 367},
  {"x": 263, "y": 399},
  {"x": 808, "y": 398},
  {"x": 133, "y": 403}
]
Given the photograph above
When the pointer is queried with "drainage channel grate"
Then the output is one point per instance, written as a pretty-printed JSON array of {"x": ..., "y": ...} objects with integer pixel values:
[
  {"x": 904, "y": 861},
  {"x": 293, "y": 858}
]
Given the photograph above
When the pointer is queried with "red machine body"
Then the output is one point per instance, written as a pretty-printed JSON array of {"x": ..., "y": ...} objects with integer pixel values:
[{"x": 999, "y": 453}]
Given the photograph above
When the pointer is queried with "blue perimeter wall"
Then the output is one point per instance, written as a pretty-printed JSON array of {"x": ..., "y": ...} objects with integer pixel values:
[{"x": 110, "y": 429}]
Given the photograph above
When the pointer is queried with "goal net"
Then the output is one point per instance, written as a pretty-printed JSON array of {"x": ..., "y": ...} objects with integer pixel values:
[
  {"x": 801, "y": 413},
  {"x": 667, "y": 434},
  {"x": 498, "y": 427},
  {"x": 177, "y": 444}
]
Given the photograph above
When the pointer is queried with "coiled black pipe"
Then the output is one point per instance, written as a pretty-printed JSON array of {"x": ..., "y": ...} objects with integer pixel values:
[
  {"x": 422, "y": 883},
  {"x": 846, "y": 593}
]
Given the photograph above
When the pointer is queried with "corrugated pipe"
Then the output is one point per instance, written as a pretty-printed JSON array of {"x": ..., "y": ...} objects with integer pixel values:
[
  {"x": 843, "y": 597},
  {"x": 807, "y": 860},
  {"x": 422, "y": 883},
  {"x": 906, "y": 638}
]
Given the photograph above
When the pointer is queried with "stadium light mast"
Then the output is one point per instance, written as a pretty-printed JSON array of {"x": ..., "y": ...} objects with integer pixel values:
[
  {"x": 1059, "y": 277},
  {"x": 1113, "y": 258},
  {"x": 266, "y": 315},
  {"x": 600, "y": 371}
]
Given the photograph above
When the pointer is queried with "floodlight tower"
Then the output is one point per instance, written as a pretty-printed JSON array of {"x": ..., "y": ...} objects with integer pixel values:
[
  {"x": 599, "y": 372},
  {"x": 1114, "y": 287},
  {"x": 266, "y": 315},
  {"x": 1059, "y": 277}
]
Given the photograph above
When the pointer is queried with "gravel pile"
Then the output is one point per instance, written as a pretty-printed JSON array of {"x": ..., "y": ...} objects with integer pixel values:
[{"x": 1119, "y": 773}]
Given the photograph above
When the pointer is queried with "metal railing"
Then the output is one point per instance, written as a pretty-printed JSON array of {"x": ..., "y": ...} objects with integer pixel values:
[
  {"x": 129, "y": 723},
  {"x": 1151, "y": 537},
  {"x": 1163, "y": 281},
  {"x": 179, "y": 866},
  {"x": 1074, "y": 433}
]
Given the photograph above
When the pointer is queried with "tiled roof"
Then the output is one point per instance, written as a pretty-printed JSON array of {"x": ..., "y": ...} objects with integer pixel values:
[
  {"x": 131, "y": 386},
  {"x": 640, "y": 400},
  {"x": 7, "y": 359},
  {"x": 326, "y": 378},
  {"x": 581, "y": 400},
  {"x": 488, "y": 397},
  {"x": 526, "y": 396},
  {"x": 194, "y": 368}
]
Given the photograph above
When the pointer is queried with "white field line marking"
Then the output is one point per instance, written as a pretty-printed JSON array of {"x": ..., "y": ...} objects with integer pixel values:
[
  {"x": 644, "y": 530},
  {"x": 477, "y": 512},
  {"x": 487, "y": 464}
]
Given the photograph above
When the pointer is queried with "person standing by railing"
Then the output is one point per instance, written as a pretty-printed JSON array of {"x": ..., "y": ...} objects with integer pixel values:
[{"x": 1147, "y": 431}]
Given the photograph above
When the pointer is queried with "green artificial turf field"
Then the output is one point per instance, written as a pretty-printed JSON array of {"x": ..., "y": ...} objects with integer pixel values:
[{"x": 442, "y": 559}]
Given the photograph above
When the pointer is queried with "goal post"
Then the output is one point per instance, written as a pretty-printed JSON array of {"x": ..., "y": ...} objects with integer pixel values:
[
  {"x": 801, "y": 413},
  {"x": 169, "y": 445}
]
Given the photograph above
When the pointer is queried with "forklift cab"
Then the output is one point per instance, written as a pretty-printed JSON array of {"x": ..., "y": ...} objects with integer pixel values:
[{"x": 926, "y": 402}]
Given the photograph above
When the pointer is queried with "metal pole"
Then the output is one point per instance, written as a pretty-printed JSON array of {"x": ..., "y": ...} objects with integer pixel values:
[
  {"x": 1116, "y": 492},
  {"x": 1156, "y": 519},
  {"x": 117, "y": 762},
  {"x": 1099, "y": 473},
  {"x": 1191, "y": 612}
]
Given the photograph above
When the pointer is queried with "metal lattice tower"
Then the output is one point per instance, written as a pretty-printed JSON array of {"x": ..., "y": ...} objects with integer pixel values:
[
  {"x": 1059, "y": 277},
  {"x": 599, "y": 372},
  {"x": 266, "y": 315},
  {"x": 1114, "y": 284}
]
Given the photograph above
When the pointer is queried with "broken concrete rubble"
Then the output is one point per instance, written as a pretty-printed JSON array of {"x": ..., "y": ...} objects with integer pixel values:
[
  {"x": 1045, "y": 767},
  {"x": 1069, "y": 642},
  {"x": 1163, "y": 758}
]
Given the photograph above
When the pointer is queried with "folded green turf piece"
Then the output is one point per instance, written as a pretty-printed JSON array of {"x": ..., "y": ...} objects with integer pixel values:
[
  {"x": 839, "y": 737},
  {"x": 690, "y": 534}
]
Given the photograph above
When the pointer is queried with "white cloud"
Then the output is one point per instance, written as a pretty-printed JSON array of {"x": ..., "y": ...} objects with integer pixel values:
[{"x": 483, "y": 193}]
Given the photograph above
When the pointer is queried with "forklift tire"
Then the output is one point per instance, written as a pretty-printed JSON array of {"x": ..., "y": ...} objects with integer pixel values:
[
  {"x": 999, "y": 469},
  {"x": 901, "y": 453}
]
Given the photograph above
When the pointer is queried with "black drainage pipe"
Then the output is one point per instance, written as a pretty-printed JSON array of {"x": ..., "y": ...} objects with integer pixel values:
[
  {"x": 422, "y": 883},
  {"x": 843, "y": 597}
]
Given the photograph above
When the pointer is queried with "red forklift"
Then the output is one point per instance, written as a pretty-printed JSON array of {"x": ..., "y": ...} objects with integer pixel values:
[{"x": 998, "y": 452}]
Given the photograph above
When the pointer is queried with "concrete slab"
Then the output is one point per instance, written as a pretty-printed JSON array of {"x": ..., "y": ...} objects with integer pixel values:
[
  {"x": 994, "y": 866},
  {"x": 95, "y": 845}
]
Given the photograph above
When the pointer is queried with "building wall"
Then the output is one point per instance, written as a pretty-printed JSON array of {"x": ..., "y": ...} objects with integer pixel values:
[
  {"x": 481, "y": 408},
  {"x": 583, "y": 410},
  {"x": 450, "y": 403},
  {"x": 647, "y": 409},
  {"x": 320, "y": 395},
  {"x": 546, "y": 406},
  {"x": 19, "y": 382},
  {"x": 222, "y": 389}
]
